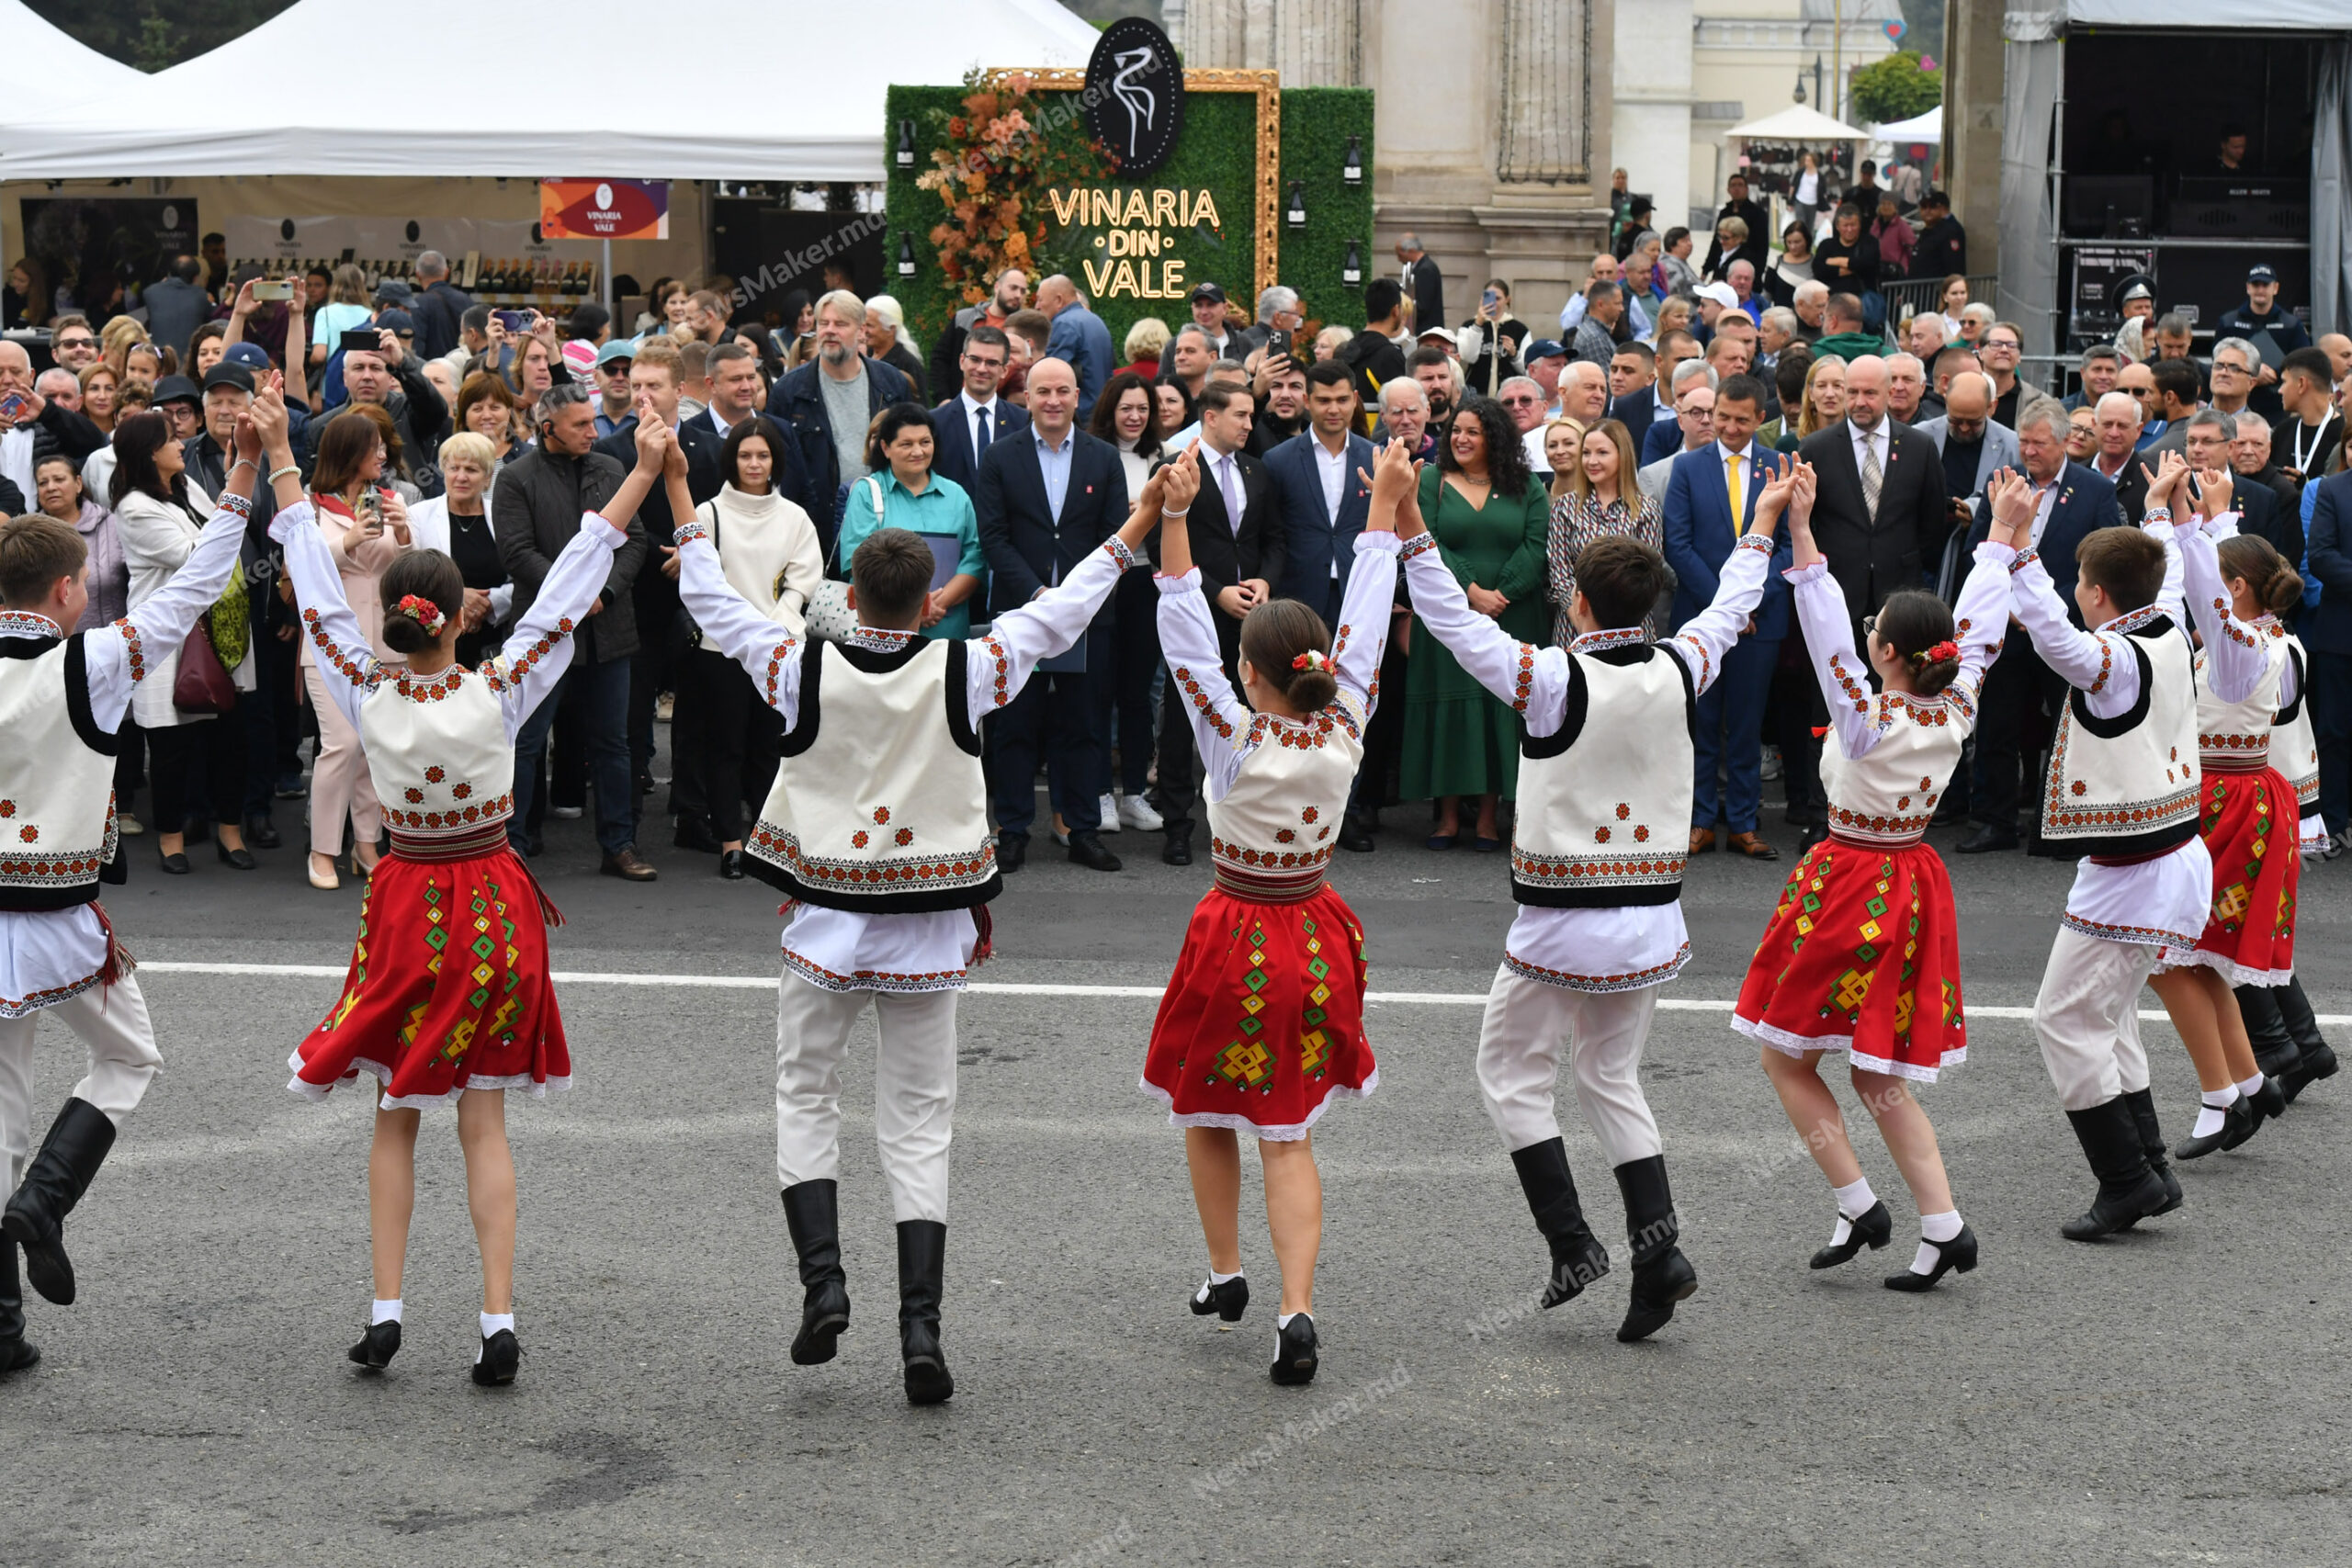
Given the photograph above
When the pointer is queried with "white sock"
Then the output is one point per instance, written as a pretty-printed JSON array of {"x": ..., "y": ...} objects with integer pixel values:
[
  {"x": 2214, "y": 1111},
  {"x": 2252, "y": 1085},
  {"x": 1934, "y": 1229},
  {"x": 1216, "y": 1280},
  {"x": 1853, "y": 1201},
  {"x": 492, "y": 1322},
  {"x": 1282, "y": 1319},
  {"x": 384, "y": 1311}
]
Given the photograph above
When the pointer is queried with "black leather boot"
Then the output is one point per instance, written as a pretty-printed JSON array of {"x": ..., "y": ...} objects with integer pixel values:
[
  {"x": 2142, "y": 1103},
  {"x": 1577, "y": 1257},
  {"x": 16, "y": 1350},
  {"x": 809, "y": 1210},
  {"x": 1662, "y": 1276},
  {"x": 76, "y": 1146},
  {"x": 922, "y": 1258},
  {"x": 2127, "y": 1191},
  {"x": 2315, "y": 1058},
  {"x": 2274, "y": 1048}
]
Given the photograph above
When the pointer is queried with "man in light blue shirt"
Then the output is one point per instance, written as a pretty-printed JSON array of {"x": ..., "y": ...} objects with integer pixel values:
[{"x": 1077, "y": 336}]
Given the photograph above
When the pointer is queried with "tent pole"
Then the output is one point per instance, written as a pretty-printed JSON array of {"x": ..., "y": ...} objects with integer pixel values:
[{"x": 608, "y": 277}]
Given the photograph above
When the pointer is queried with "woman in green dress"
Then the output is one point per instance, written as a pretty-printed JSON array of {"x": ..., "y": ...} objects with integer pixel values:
[{"x": 1492, "y": 521}]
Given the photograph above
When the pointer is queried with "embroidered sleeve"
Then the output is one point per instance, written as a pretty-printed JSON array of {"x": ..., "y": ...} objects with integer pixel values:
[
  {"x": 731, "y": 625},
  {"x": 1371, "y": 589},
  {"x": 2092, "y": 663},
  {"x": 784, "y": 655},
  {"x": 574, "y": 583},
  {"x": 134, "y": 650},
  {"x": 2024, "y": 558},
  {"x": 118, "y": 663},
  {"x": 1419, "y": 544},
  {"x": 2237, "y": 656},
  {"x": 1980, "y": 622},
  {"x": 1117, "y": 549},
  {"x": 1758, "y": 542},
  {"x": 1048, "y": 625},
  {"x": 1533, "y": 682},
  {"x": 1837, "y": 667},
  {"x": 1188, "y": 640},
  {"x": 693, "y": 531},
  {"x": 347, "y": 665}
]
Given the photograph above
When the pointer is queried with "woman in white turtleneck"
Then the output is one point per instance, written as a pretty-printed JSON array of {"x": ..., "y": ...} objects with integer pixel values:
[
  {"x": 1127, "y": 416},
  {"x": 769, "y": 549}
]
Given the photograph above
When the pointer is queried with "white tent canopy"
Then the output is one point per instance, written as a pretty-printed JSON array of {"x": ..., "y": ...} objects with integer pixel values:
[
  {"x": 1798, "y": 122},
  {"x": 47, "y": 69},
  {"x": 797, "y": 117},
  {"x": 1929, "y": 127}
]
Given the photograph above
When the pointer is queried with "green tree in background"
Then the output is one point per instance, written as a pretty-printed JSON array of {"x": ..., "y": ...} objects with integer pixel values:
[
  {"x": 151, "y": 34},
  {"x": 1896, "y": 88}
]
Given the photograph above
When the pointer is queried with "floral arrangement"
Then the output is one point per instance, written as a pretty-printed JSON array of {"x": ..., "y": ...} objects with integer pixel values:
[{"x": 990, "y": 170}]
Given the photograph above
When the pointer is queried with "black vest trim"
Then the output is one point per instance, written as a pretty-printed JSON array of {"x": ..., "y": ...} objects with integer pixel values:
[
  {"x": 1602, "y": 898},
  {"x": 921, "y": 901},
  {"x": 77, "y": 701},
  {"x": 875, "y": 664},
  {"x": 41, "y": 900},
  {"x": 959, "y": 699},
  {"x": 25, "y": 647},
  {"x": 2293, "y": 710},
  {"x": 803, "y": 733},
  {"x": 2128, "y": 719},
  {"x": 2122, "y": 845}
]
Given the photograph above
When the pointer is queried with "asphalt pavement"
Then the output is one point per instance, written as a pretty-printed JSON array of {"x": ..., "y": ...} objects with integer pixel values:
[{"x": 2176, "y": 1395}]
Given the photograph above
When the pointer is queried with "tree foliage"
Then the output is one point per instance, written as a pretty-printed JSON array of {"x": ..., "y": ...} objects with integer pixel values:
[
  {"x": 1896, "y": 88},
  {"x": 156, "y": 34}
]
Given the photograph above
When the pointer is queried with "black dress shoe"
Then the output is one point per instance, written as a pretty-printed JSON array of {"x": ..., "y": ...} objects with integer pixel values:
[
  {"x": 2237, "y": 1126},
  {"x": 261, "y": 833},
  {"x": 1011, "y": 851},
  {"x": 1872, "y": 1229},
  {"x": 174, "y": 865},
  {"x": 1959, "y": 1253},
  {"x": 1355, "y": 837},
  {"x": 2256, "y": 1106},
  {"x": 1295, "y": 1351},
  {"x": 378, "y": 1346},
  {"x": 500, "y": 1355},
  {"x": 1179, "y": 850},
  {"x": 1988, "y": 836},
  {"x": 1086, "y": 848},
  {"x": 1227, "y": 1300},
  {"x": 242, "y": 859},
  {"x": 731, "y": 865},
  {"x": 694, "y": 833},
  {"x": 17, "y": 1353}
]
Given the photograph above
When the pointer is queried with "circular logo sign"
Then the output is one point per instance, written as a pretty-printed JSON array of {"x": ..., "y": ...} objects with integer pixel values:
[
  {"x": 171, "y": 217},
  {"x": 1134, "y": 95},
  {"x": 286, "y": 228},
  {"x": 604, "y": 198}
]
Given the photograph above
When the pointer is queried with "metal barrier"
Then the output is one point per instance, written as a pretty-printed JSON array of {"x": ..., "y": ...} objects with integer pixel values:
[{"x": 1907, "y": 297}]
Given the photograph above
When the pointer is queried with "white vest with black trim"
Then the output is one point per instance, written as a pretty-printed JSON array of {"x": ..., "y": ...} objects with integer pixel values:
[
  {"x": 879, "y": 804},
  {"x": 1604, "y": 801},
  {"x": 1887, "y": 796},
  {"x": 2235, "y": 737},
  {"x": 2127, "y": 786},
  {"x": 2294, "y": 747},
  {"x": 58, "y": 838}
]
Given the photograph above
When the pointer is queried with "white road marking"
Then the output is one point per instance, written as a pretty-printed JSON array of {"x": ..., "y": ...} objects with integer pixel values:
[{"x": 1009, "y": 988}]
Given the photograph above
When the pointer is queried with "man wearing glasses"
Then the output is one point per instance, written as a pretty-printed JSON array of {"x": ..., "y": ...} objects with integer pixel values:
[
  {"x": 613, "y": 409},
  {"x": 2238, "y": 370},
  {"x": 72, "y": 344},
  {"x": 2000, "y": 349}
]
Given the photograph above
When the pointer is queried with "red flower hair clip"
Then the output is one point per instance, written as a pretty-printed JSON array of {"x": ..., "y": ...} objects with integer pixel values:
[
  {"x": 1313, "y": 659},
  {"x": 1939, "y": 652},
  {"x": 423, "y": 612}
]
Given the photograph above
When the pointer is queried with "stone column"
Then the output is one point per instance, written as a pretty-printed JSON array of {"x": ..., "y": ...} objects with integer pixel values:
[
  {"x": 1973, "y": 83},
  {"x": 1650, "y": 71}
]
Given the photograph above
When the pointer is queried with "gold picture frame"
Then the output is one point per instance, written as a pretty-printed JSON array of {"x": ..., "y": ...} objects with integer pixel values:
[{"x": 1267, "y": 84}]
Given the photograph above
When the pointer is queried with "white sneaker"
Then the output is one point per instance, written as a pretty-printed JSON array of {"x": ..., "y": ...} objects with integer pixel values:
[
  {"x": 568, "y": 813},
  {"x": 129, "y": 827},
  {"x": 1136, "y": 813},
  {"x": 1110, "y": 810}
]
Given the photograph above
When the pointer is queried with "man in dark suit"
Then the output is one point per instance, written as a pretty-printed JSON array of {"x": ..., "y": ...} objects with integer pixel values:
[
  {"x": 2326, "y": 632},
  {"x": 1421, "y": 281},
  {"x": 969, "y": 423},
  {"x": 1710, "y": 497},
  {"x": 832, "y": 454},
  {"x": 2117, "y": 419},
  {"x": 655, "y": 380},
  {"x": 1045, "y": 499},
  {"x": 1239, "y": 548},
  {"x": 1882, "y": 511},
  {"x": 2020, "y": 693}
]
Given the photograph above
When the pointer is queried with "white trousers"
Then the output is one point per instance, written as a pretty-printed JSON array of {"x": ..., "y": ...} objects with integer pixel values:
[
  {"x": 1529, "y": 1025},
  {"x": 2087, "y": 1016},
  {"x": 914, "y": 1087},
  {"x": 113, "y": 1023}
]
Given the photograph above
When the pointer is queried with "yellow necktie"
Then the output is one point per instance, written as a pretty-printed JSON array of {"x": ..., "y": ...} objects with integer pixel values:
[{"x": 1735, "y": 474}]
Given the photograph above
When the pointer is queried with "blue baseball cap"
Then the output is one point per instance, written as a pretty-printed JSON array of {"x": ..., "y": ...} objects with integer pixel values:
[{"x": 251, "y": 356}]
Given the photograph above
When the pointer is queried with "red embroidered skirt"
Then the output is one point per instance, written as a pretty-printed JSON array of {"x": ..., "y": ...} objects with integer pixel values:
[
  {"x": 1262, "y": 1025},
  {"x": 1861, "y": 956},
  {"x": 447, "y": 989},
  {"x": 2249, "y": 822}
]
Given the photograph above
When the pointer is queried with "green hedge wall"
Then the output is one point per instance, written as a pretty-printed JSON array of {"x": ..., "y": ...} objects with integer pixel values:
[{"x": 1219, "y": 152}]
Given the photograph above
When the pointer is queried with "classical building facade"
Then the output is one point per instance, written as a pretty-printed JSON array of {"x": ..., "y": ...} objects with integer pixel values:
[{"x": 1493, "y": 128}]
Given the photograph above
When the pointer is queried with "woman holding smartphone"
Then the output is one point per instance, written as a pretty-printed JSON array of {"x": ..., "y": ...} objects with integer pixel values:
[{"x": 366, "y": 526}]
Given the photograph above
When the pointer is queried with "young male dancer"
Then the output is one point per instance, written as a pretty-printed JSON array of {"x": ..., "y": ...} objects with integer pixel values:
[
  {"x": 877, "y": 829},
  {"x": 1605, "y": 786},
  {"x": 62, "y": 698},
  {"x": 2122, "y": 793}
]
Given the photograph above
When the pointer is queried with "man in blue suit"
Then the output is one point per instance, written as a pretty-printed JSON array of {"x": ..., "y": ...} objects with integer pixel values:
[
  {"x": 2326, "y": 632},
  {"x": 1320, "y": 499},
  {"x": 1709, "y": 501},
  {"x": 1078, "y": 337},
  {"x": 2071, "y": 500},
  {"x": 967, "y": 425},
  {"x": 1045, "y": 501},
  {"x": 1663, "y": 439}
]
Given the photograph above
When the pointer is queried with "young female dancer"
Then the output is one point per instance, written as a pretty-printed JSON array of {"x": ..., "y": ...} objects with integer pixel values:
[
  {"x": 448, "y": 999},
  {"x": 2234, "y": 584},
  {"x": 1262, "y": 1025},
  {"x": 1862, "y": 956}
]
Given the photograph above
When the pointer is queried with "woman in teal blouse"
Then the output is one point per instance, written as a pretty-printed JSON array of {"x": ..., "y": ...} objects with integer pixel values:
[
  {"x": 1492, "y": 522},
  {"x": 902, "y": 493}
]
